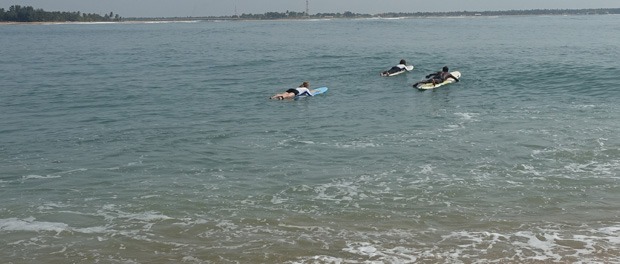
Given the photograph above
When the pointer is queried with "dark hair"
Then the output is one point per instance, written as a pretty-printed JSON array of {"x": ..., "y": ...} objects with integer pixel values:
[
  {"x": 403, "y": 62},
  {"x": 445, "y": 68}
]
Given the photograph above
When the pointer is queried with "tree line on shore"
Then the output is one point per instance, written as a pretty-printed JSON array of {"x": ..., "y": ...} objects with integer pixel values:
[
  {"x": 297, "y": 15},
  {"x": 293, "y": 15},
  {"x": 17, "y": 13},
  {"x": 601, "y": 11},
  {"x": 348, "y": 14}
]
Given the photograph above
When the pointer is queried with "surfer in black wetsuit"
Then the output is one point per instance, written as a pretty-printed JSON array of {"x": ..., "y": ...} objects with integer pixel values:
[
  {"x": 400, "y": 67},
  {"x": 438, "y": 77}
]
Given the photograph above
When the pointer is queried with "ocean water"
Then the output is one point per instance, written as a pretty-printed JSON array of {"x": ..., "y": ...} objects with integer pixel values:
[{"x": 157, "y": 143}]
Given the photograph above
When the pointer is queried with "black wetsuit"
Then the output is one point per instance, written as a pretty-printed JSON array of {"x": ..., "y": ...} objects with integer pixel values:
[
  {"x": 395, "y": 69},
  {"x": 293, "y": 90}
]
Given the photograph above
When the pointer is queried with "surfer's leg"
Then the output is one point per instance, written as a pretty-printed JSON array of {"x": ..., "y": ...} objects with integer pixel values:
[
  {"x": 287, "y": 96},
  {"x": 277, "y": 96}
]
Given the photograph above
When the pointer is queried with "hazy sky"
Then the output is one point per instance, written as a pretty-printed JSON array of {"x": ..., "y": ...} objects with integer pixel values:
[{"x": 184, "y": 8}]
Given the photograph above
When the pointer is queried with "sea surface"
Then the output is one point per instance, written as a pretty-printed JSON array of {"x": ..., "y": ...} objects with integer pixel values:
[{"x": 157, "y": 143}]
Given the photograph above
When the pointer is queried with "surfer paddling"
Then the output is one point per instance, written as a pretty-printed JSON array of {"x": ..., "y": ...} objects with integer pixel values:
[
  {"x": 438, "y": 77},
  {"x": 303, "y": 89},
  {"x": 401, "y": 67}
]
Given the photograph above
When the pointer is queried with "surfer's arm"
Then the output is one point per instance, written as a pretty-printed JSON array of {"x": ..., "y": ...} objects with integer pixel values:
[
  {"x": 456, "y": 79},
  {"x": 432, "y": 74}
]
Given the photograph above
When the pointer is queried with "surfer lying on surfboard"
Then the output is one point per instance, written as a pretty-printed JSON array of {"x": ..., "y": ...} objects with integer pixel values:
[
  {"x": 291, "y": 93},
  {"x": 438, "y": 77},
  {"x": 400, "y": 68}
]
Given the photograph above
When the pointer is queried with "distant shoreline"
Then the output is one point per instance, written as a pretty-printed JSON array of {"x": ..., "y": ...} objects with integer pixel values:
[
  {"x": 291, "y": 16},
  {"x": 100, "y": 22},
  {"x": 350, "y": 15}
]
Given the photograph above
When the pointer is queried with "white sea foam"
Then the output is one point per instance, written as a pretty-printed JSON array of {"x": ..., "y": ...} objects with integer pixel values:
[
  {"x": 227, "y": 225},
  {"x": 377, "y": 253},
  {"x": 337, "y": 191},
  {"x": 277, "y": 200},
  {"x": 92, "y": 230},
  {"x": 320, "y": 229},
  {"x": 72, "y": 171},
  {"x": 467, "y": 116},
  {"x": 150, "y": 196},
  {"x": 38, "y": 177},
  {"x": 29, "y": 224},
  {"x": 426, "y": 169},
  {"x": 470, "y": 247},
  {"x": 51, "y": 206},
  {"x": 190, "y": 222},
  {"x": 54, "y": 176},
  {"x": 191, "y": 259},
  {"x": 576, "y": 167},
  {"x": 528, "y": 169},
  {"x": 356, "y": 145},
  {"x": 144, "y": 216}
]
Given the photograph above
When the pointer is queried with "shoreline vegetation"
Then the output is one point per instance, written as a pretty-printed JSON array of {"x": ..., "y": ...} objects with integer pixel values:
[
  {"x": 351, "y": 15},
  {"x": 28, "y": 14}
]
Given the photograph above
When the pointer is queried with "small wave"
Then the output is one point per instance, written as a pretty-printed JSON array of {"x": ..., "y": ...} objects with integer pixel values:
[
  {"x": 38, "y": 177},
  {"x": 31, "y": 225},
  {"x": 356, "y": 145},
  {"x": 72, "y": 171},
  {"x": 468, "y": 116},
  {"x": 145, "y": 216},
  {"x": 527, "y": 169},
  {"x": 54, "y": 176}
]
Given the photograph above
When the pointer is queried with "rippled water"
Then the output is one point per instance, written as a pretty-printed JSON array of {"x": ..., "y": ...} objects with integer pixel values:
[{"x": 157, "y": 143}]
